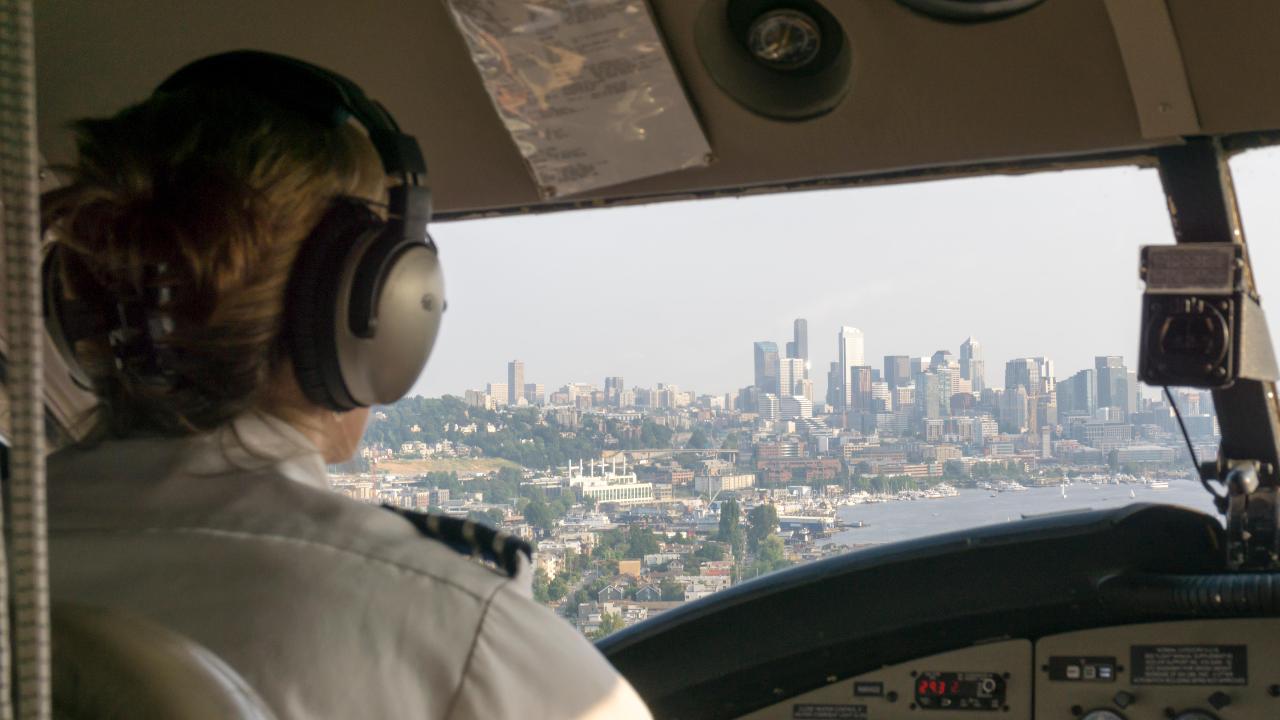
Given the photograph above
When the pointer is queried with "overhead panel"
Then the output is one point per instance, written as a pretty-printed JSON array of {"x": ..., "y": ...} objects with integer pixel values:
[
  {"x": 1153, "y": 63},
  {"x": 923, "y": 92}
]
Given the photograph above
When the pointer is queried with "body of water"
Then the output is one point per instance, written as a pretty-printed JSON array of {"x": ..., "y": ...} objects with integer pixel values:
[{"x": 908, "y": 519}]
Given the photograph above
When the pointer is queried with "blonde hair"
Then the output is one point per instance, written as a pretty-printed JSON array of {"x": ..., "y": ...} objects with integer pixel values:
[{"x": 216, "y": 192}]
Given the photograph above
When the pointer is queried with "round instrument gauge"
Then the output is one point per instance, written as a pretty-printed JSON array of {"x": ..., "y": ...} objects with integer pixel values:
[
  {"x": 784, "y": 39},
  {"x": 1102, "y": 714}
]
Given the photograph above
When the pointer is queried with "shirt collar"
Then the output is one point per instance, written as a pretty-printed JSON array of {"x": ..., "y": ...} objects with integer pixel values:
[{"x": 256, "y": 441}]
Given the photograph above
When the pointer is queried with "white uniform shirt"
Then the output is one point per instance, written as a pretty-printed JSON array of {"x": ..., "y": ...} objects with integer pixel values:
[{"x": 329, "y": 608}]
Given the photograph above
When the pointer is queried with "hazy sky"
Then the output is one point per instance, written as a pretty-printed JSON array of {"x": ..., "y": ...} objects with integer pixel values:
[{"x": 1044, "y": 264}]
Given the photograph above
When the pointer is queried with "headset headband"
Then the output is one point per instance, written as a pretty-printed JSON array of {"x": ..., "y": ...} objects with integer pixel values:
[{"x": 325, "y": 96}]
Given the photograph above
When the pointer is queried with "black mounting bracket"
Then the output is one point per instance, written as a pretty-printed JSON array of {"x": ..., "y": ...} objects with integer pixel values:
[{"x": 1202, "y": 207}]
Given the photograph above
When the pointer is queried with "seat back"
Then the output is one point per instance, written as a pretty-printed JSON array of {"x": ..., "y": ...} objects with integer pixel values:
[{"x": 112, "y": 664}]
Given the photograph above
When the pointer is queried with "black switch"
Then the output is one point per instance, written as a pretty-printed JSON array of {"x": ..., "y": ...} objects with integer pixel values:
[
  {"x": 1123, "y": 699},
  {"x": 1219, "y": 700}
]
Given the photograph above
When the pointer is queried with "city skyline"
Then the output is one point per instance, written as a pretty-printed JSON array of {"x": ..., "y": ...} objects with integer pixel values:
[{"x": 1041, "y": 265}]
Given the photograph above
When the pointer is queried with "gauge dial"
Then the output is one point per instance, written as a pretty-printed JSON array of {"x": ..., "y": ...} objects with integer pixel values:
[
  {"x": 1102, "y": 714},
  {"x": 784, "y": 39}
]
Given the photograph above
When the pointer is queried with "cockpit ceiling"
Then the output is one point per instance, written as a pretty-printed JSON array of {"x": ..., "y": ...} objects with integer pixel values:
[{"x": 1046, "y": 83}]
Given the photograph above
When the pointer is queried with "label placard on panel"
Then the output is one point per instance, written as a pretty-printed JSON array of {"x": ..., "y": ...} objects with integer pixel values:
[
  {"x": 585, "y": 89},
  {"x": 1189, "y": 664},
  {"x": 813, "y": 711}
]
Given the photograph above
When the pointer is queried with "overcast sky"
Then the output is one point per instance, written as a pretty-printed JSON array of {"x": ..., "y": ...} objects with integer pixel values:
[{"x": 1043, "y": 264}]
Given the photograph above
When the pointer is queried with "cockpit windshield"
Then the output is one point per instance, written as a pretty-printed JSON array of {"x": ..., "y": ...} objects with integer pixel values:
[{"x": 672, "y": 399}]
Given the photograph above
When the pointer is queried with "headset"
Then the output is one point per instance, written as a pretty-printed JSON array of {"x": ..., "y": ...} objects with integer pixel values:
[{"x": 365, "y": 296}]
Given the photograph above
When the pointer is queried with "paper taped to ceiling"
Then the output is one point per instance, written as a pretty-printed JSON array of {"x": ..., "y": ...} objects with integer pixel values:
[{"x": 585, "y": 89}]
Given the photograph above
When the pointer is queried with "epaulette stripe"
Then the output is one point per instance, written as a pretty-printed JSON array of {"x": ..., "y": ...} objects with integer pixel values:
[{"x": 470, "y": 538}]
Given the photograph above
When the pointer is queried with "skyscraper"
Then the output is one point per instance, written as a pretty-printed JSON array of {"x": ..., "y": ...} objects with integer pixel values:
[
  {"x": 860, "y": 388},
  {"x": 1022, "y": 372},
  {"x": 799, "y": 347},
  {"x": 766, "y": 364},
  {"x": 849, "y": 350},
  {"x": 1047, "y": 379},
  {"x": 1077, "y": 395},
  {"x": 1113, "y": 383},
  {"x": 790, "y": 376},
  {"x": 897, "y": 370},
  {"x": 515, "y": 382},
  {"x": 972, "y": 366},
  {"x": 613, "y": 387}
]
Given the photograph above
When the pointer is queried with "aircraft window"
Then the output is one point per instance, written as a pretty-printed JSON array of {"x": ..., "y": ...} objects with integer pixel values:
[{"x": 613, "y": 382}]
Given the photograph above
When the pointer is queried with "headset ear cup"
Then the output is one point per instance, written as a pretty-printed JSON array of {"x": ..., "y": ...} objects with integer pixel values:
[{"x": 313, "y": 297}]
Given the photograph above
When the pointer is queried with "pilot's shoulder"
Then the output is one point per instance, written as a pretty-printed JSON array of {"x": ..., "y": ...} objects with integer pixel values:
[{"x": 497, "y": 550}]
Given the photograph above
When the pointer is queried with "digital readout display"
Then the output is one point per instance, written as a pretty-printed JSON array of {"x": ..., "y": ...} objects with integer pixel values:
[{"x": 959, "y": 691}]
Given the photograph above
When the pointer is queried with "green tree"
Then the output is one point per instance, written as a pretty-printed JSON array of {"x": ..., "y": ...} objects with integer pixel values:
[
  {"x": 538, "y": 514},
  {"x": 557, "y": 588},
  {"x": 541, "y": 586},
  {"x": 763, "y": 519},
  {"x": 609, "y": 623},
  {"x": 698, "y": 440},
  {"x": 710, "y": 551},
  {"x": 771, "y": 556},
  {"x": 640, "y": 542},
  {"x": 671, "y": 590},
  {"x": 729, "y": 518}
]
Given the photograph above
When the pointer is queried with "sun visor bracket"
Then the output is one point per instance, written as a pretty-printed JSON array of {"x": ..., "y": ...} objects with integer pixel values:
[{"x": 1153, "y": 63}]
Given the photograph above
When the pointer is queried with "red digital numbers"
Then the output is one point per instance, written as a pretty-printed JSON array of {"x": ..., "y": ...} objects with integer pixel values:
[{"x": 936, "y": 687}]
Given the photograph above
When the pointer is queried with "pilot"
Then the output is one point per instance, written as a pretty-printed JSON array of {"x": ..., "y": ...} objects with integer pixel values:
[{"x": 186, "y": 290}]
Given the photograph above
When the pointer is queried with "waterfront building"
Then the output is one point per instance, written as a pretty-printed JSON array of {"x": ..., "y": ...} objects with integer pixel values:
[
  {"x": 711, "y": 485},
  {"x": 609, "y": 485}
]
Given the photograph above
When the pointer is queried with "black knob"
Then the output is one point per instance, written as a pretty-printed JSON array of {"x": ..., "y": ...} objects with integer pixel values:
[
  {"x": 1123, "y": 699},
  {"x": 1219, "y": 700}
]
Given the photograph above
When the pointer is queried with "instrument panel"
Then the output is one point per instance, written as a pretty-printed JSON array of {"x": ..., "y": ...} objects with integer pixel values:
[{"x": 1190, "y": 670}]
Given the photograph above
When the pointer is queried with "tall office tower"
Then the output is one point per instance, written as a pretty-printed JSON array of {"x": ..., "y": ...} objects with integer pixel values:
[
  {"x": 515, "y": 382},
  {"x": 918, "y": 365},
  {"x": 897, "y": 370},
  {"x": 929, "y": 399},
  {"x": 1135, "y": 391},
  {"x": 972, "y": 367},
  {"x": 834, "y": 386},
  {"x": 790, "y": 376},
  {"x": 1113, "y": 382},
  {"x": 799, "y": 347},
  {"x": 860, "y": 388},
  {"x": 1077, "y": 395},
  {"x": 881, "y": 402},
  {"x": 1047, "y": 379},
  {"x": 499, "y": 392},
  {"x": 849, "y": 351},
  {"x": 613, "y": 388},
  {"x": 769, "y": 406},
  {"x": 805, "y": 390},
  {"x": 766, "y": 357},
  {"x": 940, "y": 359},
  {"x": 1022, "y": 372},
  {"x": 1013, "y": 410},
  {"x": 535, "y": 393}
]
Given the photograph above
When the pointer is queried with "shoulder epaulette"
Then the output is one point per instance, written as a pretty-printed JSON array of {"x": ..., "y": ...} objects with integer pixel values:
[{"x": 466, "y": 537}]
